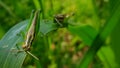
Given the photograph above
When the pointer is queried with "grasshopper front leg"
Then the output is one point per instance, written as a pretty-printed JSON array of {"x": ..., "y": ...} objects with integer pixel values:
[{"x": 17, "y": 51}]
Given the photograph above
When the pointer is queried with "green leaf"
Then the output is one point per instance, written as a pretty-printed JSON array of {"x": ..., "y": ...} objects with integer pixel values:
[
  {"x": 100, "y": 39},
  {"x": 107, "y": 57},
  {"x": 8, "y": 50},
  {"x": 115, "y": 43},
  {"x": 47, "y": 26},
  {"x": 10, "y": 44},
  {"x": 86, "y": 33}
]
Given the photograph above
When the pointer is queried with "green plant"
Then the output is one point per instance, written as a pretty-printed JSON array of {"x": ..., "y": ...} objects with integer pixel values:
[{"x": 64, "y": 42}]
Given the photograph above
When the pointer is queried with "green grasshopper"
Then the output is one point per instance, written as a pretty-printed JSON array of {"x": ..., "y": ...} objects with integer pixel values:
[
  {"x": 32, "y": 28},
  {"x": 32, "y": 31}
]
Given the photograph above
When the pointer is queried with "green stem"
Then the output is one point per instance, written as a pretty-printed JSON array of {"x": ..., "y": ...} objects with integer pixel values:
[
  {"x": 96, "y": 16},
  {"x": 51, "y": 7},
  {"x": 46, "y": 42},
  {"x": 41, "y": 5},
  {"x": 36, "y": 3}
]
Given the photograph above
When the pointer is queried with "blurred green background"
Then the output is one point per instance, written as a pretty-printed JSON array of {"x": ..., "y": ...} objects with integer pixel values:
[{"x": 66, "y": 49}]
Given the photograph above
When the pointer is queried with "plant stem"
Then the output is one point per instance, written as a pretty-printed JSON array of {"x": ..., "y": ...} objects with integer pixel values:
[
  {"x": 36, "y": 3},
  {"x": 46, "y": 42},
  {"x": 41, "y": 5}
]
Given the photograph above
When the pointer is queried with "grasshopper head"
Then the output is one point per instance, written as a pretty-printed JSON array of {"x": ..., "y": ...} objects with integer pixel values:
[{"x": 26, "y": 48}]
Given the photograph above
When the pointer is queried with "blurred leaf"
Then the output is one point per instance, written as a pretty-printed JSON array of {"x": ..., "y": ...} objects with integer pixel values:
[
  {"x": 115, "y": 34},
  {"x": 1, "y": 31},
  {"x": 113, "y": 5},
  {"x": 9, "y": 58},
  {"x": 101, "y": 37},
  {"x": 7, "y": 8},
  {"x": 8, "y": 50},
  {"x": 47, "y": 26},
  {"x": 86, "y": 33},
  {"x": 115, "y": 43},
  {"x": 107, "y": 57},
  {"x": 38, "y": 65}
]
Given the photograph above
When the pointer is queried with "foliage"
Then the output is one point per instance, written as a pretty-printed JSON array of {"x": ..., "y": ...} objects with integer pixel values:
[{"x": 88, "y": 38}]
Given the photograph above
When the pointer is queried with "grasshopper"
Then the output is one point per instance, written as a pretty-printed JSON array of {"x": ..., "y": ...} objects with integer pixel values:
[{"x": 32, "y": 31}]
